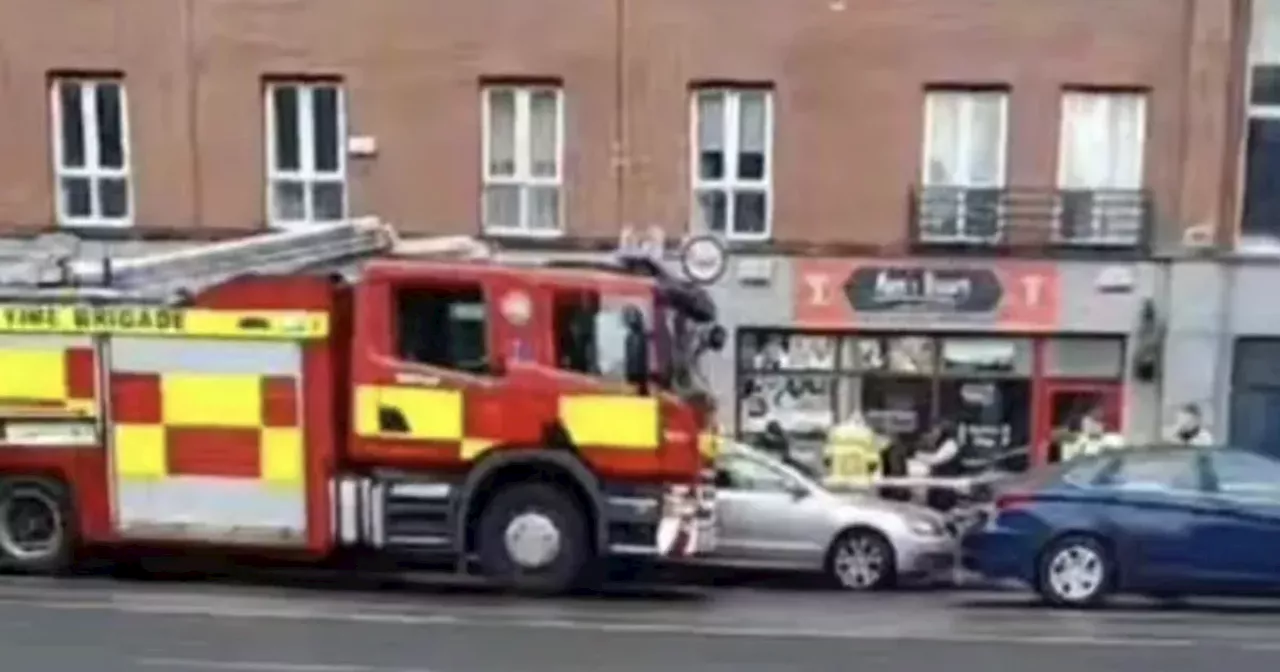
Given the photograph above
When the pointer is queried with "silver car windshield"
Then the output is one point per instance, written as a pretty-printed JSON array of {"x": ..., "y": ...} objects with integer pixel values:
[{"x": 784, "y": 470}]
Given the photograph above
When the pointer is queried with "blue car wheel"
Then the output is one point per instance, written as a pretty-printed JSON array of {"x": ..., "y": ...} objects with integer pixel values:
[{"x": 1075, "y": 571}]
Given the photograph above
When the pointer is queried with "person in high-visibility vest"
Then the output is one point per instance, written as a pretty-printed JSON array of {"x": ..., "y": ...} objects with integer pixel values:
[
  {"x": 1091, "y": 439},
  {"x": 853, "y": 451}
]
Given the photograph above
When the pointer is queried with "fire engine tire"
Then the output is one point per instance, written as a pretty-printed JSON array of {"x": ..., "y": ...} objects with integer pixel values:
[
  {"x": 37, "y": 526},
  {"x": 534, "y": 538}
]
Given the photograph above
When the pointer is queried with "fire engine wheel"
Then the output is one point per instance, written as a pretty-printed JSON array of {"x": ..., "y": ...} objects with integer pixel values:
[
  {"x": 533, "y": 538},
  {"x": 36, "y": 534}
]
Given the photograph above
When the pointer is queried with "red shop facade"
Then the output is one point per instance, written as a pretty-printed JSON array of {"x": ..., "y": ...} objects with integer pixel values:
[{"x": 909, "y": 343}]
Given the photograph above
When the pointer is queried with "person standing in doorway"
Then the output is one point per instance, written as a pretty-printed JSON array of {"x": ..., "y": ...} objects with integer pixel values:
[
  {"x": 942, "y": 457},
  {"x": 1090, "y": 438},
  {"x": 1189, "y": 429}
]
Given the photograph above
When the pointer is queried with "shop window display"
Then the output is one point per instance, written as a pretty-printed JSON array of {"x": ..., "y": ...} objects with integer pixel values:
[{"x": 902, "y": 385}]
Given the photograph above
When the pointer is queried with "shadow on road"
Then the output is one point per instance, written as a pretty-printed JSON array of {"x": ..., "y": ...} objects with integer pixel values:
[
  {"x": 1133, "y": 605},
  {"x": 185, "y": 570}
]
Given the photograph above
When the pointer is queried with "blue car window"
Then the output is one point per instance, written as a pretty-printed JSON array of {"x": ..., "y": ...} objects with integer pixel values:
[
  {"x": 1086, "y": 472},
  {"x": 1156, "y": 472},
  {"x": 1246, "y": 475}
]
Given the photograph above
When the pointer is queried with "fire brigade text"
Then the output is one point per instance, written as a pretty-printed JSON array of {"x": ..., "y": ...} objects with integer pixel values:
[{"x": 85, "y": 319}]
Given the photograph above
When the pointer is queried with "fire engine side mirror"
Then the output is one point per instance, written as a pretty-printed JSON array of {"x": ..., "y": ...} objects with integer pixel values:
[
  {"x": 716, "y": 338},
  {"x": 637, "y": 351},
  {"x": 638, "y": 360}
]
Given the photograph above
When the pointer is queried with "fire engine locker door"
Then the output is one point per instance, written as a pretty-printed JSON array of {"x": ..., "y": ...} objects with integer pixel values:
[{"x": 206, "y": 440}]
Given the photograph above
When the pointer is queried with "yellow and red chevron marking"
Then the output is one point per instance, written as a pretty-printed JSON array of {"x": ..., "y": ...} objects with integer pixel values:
[
  {"x": 56, "y": 379},
  {"x": 213, "y": 425}
]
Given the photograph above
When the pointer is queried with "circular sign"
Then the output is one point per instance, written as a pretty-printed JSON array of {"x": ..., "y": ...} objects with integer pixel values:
[
  {"x": 517, "y": 308},
  {"x": 704, "y": 259}
]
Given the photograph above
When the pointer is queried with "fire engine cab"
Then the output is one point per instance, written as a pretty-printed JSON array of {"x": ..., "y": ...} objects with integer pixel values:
[{"x": 336, "y": 391}]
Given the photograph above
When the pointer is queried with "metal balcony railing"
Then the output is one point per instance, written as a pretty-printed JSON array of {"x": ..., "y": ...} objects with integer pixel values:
[{"x": 1014, "y": 216}]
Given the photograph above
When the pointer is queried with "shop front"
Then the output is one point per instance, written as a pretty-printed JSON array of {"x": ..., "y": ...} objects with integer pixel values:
[
  {"x": 1253, "y": 337},
  {"x": 910, "y": 344}
]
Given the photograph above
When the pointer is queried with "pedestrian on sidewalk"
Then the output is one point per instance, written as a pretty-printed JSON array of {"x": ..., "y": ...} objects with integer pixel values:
[{"x": 1188, "y": 428}]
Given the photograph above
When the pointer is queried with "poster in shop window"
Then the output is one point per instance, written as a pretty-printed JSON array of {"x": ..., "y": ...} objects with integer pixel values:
[{"x": 842, "y": 293}]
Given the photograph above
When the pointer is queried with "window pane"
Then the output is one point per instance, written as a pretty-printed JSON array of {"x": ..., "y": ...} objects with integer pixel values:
[
  {"x": 501, "y": 206},
  {"x": 543, "y": 133},
  {"x": 738, "y": 473},
  {"x": 1246, "y": 475},
  {"x": 289, "y": 201},
  {"x": 710, "y": 140},
  {"x": 72, "y": 121},
  {"x": 778, "y": 351},
  {"x": 750, "y": 345},
  {"x": 750, "y": 208},
  {"x": 284, "y": 104},
  {"x": 1085, "y": 358},
  {"x": 329, "y": 200},
  {"x": 752, "y": 135},
  {"x": 910, "y": 354},
  {"x": 77, "y": 200},
  {"x": 1171, "y": 471},
  {"x": 444, "y": 328},
  {"x": 1262, "y": 179},
  {"x": 544, "y": 208},
  {"x": 985, "y": 148},
  {"x": 325, "y": 145},
  {"x": 1103, "y": 140},
  {"x": 1265, "y": 85},
  {"x": 992, "y": 417},
  {"x": 801, "y": 404},
  {"x": 711, "y": 211},
  {"x": 502, "y": 133},
  {"x": 858, "y": 354},
  {"x": 113, "y": 197},
  {"x": 943, "y": 155},
  {"x": 897, "y": 406},
  {"x": 986, "y": 356},
  {"x": 609, "y": 331},
  {"x": 107, "y": 105}
]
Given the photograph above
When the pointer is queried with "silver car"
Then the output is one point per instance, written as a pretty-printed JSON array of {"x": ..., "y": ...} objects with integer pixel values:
[{"x": 772, "y": 516}]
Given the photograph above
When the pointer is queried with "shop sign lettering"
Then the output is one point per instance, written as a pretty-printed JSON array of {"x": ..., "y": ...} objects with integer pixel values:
[{"x": 884, "y": 289}]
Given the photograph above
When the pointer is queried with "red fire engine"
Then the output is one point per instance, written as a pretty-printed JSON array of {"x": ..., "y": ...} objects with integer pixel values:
[{"x": 310, "y": 394}]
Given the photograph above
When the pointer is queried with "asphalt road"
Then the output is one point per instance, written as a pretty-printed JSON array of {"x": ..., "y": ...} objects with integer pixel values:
[{"x": 115, "y": 626}]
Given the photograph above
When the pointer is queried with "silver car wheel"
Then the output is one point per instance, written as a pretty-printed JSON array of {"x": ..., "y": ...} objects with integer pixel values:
[
  {"x": 861, "y": 561},
  {"x": 1076, "y": 573}
]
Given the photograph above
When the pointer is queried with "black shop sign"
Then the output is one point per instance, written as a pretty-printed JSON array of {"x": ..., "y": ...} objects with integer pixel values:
[{"x": 890, "y": 289}]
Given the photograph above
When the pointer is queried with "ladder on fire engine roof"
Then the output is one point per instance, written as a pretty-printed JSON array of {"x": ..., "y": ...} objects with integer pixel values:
[{"x": 170, "y": 277}]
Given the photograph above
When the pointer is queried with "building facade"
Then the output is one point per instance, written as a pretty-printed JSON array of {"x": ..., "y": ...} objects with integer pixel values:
[{"x": 1004, "y": 213}]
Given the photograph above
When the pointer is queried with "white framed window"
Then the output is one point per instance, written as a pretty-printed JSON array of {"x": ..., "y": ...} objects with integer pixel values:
[
  {"x": 964, "y": 163},
  {"x": 306, "y": 152},
  {"x": 1100, "y": 166},
  {"x": 732, "y": 162},
  {"x": 523, "y": 152},
  {"x": 91, "y": 152}
]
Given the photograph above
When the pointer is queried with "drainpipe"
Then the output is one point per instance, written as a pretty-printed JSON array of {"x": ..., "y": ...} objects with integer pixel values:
[
  {"x": 192, "y": 69},
  {"x": 621, "y": 160}
]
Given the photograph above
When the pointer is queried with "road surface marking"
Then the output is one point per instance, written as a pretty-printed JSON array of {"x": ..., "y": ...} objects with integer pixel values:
[
  {"x": 638, "y": 628},
  {"x": 248, "y": 665},
  {"x": 261, "y": 666}
]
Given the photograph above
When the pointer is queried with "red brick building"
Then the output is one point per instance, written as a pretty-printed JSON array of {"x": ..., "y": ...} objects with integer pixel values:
[
  {"x": 916, "y": 144},
  {"x": 846, "y": 88}
]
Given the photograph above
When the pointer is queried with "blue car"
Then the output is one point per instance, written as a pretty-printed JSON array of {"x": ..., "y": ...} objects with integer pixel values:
[{"x": 1156, "y": 521}]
